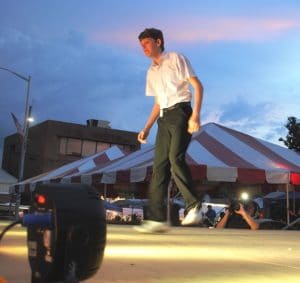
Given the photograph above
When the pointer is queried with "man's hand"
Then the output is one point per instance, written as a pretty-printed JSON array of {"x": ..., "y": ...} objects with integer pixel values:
[
  {"x": 142, "y": 136},
  {"x": 250, "y": 221},
  {"x": 241, "y": 211},
  {"x": 193, "y": 124}
]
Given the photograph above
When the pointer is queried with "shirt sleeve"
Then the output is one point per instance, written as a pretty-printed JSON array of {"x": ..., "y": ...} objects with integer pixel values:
[
  {"x": 185, "y": 69},
  {"x": 149, "y": 87}
]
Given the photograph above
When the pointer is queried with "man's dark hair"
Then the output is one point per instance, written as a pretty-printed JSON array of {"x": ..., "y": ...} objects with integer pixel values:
[{"x": 154, "y": 34}]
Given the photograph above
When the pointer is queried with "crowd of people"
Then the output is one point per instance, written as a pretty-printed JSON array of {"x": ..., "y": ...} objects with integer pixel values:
[{"x": 237, "y": 215}]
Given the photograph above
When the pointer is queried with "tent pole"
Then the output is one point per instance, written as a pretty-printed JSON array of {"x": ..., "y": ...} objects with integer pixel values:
[
  {"x": 294, "y": 199},
  {"x": 287, "y": 204},
  {"x": 105, "y": 191}
]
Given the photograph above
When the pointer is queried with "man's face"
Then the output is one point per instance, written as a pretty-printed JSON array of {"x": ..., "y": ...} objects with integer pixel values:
[{"x": 151, "y": 47}]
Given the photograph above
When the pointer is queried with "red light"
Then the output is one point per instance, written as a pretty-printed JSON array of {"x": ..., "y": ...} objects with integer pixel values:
[
  {"x": 295, "y": 178},
  {"x": 40, "y": 199}
]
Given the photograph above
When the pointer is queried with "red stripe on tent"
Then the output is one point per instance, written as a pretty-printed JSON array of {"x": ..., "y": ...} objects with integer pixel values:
[
  {"x": 251, "y": 176},
  {"x": 189, "y": 159},
  {"x": 295, "y": 178},
  {"x": 101, "y": 159},
  {"x": 102, "y": 165},
  {"x": 135, "y": 158},
  {"x": 256, "y": 145},
  {"x": 199, "y": 172},
  {"x": 221, "y": 152},
  {"x": 70, "y": 172},
  {"x": 123, "y": 176}
]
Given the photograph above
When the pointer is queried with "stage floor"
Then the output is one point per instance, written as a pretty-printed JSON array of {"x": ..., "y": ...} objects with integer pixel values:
[{"x": 183, "y": 255}]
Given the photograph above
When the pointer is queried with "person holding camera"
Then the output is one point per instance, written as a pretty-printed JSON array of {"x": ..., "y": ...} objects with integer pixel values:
[{"x": 237, "y": 216}]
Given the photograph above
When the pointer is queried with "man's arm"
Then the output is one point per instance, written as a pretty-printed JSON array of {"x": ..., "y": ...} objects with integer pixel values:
[
  {"x": 250, "y": 221},
  {"x": 143, "y": 134},
  {"x": 222, "y": 223},
  {"x": 194, "y": 121}
]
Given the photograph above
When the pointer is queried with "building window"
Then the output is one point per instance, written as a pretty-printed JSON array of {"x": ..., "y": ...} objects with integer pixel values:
[
  {"x": 71, "y": 146},
  {"x": 102, "y": 146},
  {"x": 88, "y": 148},
  {"x": 63, "y": 145},
  {"x": 78, "y": 147},
  {"x": 74, "y": 146}
]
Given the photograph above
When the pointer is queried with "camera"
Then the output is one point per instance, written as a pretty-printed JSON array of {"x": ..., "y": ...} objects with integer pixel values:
[{"x": 234, "y": 206}]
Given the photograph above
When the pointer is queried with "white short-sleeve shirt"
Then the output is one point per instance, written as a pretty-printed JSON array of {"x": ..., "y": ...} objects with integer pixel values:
[{"x": 168, "y": 80}]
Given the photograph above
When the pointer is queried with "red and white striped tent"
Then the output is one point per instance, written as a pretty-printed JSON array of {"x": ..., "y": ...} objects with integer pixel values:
[{"x": 216, "y": 153}]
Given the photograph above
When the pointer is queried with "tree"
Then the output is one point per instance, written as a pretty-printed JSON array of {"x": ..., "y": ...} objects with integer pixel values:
[{"x": 292, "y": 140}]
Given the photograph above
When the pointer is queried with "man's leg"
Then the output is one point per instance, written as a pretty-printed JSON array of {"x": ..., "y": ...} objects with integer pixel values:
[
  {"x": 179, "y": 144},
  {"x": 161, "y": 174},
  {"x": 159, "y": 183}
]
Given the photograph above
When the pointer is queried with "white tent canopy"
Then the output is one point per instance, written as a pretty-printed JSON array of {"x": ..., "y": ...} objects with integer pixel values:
[{"x": 216, "y": 153}]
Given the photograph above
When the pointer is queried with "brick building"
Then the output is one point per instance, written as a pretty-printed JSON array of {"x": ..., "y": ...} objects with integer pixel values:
[{"x": 52, "y": 144}]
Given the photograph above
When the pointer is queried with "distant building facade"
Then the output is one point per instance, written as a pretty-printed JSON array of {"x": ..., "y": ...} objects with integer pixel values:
[{"x": 52, "y": 144}]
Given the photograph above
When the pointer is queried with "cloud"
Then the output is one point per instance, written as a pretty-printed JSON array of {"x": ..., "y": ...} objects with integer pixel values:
[
  {"x": 71, "y": 81},
  {"x": 203, "y": 29},
  {"x": 232, "y": 29},
  {"x": 262, "y": 120}
]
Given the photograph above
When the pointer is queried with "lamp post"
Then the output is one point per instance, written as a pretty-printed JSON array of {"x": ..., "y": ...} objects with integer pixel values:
[
  {"x": 25, "y": 133},
  {"x": 25, "y": 124}
]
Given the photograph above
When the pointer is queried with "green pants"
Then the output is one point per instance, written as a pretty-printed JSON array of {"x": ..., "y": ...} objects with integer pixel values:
[{"x": 172, "y": 141}]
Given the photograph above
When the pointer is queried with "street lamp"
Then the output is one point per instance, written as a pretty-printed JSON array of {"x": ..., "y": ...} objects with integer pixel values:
[
  {"x": 25, "y": 134},
  {"x": 25, "y": 124}
]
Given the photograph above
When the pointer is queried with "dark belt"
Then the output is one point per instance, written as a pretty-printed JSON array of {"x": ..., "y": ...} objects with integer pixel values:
[{"x": 175, "y": 106}]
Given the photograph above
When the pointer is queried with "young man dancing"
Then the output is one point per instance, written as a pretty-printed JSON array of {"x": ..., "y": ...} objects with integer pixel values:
[{"x": 168, "y": 80}]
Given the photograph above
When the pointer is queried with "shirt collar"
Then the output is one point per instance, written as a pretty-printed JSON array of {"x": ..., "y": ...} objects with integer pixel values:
[{"x": 161, "y": 58}]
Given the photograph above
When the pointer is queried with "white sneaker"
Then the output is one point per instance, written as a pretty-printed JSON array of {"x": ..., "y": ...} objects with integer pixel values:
[
  {"x": 193, "y": 217},
  {"x": 149, "y": 226}
]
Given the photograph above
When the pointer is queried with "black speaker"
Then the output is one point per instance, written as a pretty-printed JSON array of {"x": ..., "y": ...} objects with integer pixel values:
[{"x": 66, "y": 239}]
